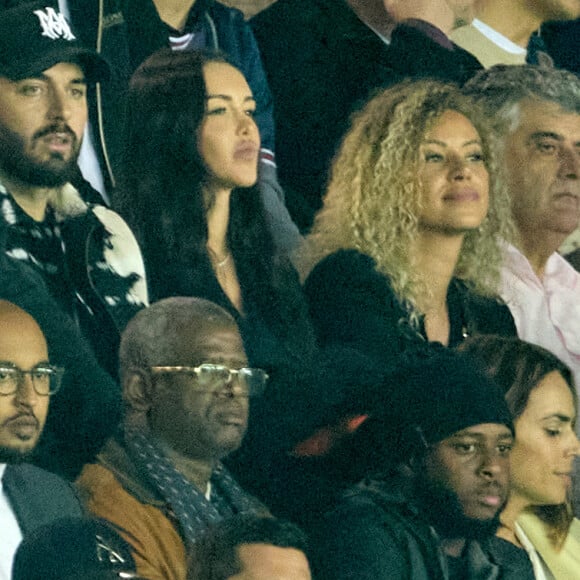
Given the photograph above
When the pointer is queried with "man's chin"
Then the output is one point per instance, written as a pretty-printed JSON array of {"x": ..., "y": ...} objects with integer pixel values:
[
  {"x": 54, "y": 172},
  {"x": 445, "y": 513},
  {"x": 13, "y": 455},
  {"x": 51, "y": 174}
]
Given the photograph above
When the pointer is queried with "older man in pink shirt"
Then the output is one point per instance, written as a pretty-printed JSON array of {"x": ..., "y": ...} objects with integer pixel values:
[{"x": 537, "y": 110}]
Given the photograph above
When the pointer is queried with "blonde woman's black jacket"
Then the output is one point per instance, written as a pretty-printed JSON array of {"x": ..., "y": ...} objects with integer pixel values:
[{"x": 352, "y": 304}]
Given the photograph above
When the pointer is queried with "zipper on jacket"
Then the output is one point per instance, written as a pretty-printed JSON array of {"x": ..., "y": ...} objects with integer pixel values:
[{"x": 98, "y": 95}]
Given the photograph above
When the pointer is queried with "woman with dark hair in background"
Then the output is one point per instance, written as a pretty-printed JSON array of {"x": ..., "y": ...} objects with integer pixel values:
[
  {"x": 540, "y": 393},
  {"x": 189, "y": 194}
]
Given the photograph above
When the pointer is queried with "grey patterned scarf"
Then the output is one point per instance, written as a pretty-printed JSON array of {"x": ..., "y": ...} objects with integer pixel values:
[{"x": 190, "y": 506}]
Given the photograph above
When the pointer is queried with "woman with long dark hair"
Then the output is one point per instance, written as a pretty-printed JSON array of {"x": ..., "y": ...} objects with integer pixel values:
[{"x": 189, "y": 193}]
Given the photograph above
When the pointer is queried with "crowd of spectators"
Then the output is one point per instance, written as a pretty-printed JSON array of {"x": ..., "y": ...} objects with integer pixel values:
[{"x": 291, "y": 297}]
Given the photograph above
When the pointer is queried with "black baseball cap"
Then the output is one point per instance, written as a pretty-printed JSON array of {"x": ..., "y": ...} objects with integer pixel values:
[{"x": 35, "y": 37}]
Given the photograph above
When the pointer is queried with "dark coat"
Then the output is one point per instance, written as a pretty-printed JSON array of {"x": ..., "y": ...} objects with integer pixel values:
[
  {"x": 86, "y": 410},
  {"x": 377, "y": 533},
  {"x": 275, "y": 327},
  {"x": 322, "y": 63},
  {"x": 38, "y": 497},
  {"x": 352, "y": 304},
  {"x": 362, "y": 330}
]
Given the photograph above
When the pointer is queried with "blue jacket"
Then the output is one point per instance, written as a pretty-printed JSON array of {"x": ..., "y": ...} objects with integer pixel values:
[{"x": 225, "y": 30}]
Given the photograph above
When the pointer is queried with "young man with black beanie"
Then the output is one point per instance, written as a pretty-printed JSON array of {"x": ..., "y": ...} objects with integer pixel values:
[{"x": 435, "y": 462}]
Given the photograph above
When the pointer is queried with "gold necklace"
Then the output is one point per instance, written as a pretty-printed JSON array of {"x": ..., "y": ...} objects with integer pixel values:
[
  {"x": 224, "y": 261},
  {"x": 219, "y": 263}
]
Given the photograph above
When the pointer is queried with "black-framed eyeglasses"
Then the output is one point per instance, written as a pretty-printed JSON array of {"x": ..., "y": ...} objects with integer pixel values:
[
  {"x": 250, "y": 382},
  {"x": 46, "y": 379}
]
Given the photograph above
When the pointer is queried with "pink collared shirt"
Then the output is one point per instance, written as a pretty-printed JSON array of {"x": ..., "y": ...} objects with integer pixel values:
[{"x": 546, "y": 311}]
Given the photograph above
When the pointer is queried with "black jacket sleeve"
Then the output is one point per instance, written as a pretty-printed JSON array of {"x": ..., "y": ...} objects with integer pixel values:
[{"x": 351, "y": 304}]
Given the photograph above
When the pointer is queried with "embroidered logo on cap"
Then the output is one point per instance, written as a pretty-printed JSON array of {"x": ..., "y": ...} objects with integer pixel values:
[{"x": 54, "y": 24}]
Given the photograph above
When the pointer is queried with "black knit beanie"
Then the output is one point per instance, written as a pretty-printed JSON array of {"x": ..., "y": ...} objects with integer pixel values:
[{"x": 431, "y": 396}]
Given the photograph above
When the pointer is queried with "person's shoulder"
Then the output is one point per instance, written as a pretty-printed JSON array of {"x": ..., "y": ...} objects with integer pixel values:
[
  {"x": 31, "y": 474},
  {"x": 349, "y": 267},
  {"x": 116, "y": 226},
  {"x": 370, "y": 502},
  {"x": 306, "y": 26},
  {"x": 39, "y": 496},
  {"x": 101, "y": 490},
  {"x": 107, "y": 216},
  {"x": 370, "y": 534},
  {"x": 562, "y": 271},
  {"x": 345, "y": 259}
]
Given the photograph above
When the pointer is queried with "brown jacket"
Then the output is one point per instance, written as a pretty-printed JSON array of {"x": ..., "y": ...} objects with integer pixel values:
[{"x": 114, "y": 490}]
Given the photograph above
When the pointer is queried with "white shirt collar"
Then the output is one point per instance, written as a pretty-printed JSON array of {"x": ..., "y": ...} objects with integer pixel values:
[{"x": 498, "y": 38}]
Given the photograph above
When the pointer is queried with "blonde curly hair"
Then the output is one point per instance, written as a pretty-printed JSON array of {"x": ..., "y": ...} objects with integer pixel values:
[{"x": 374, "y": 197}]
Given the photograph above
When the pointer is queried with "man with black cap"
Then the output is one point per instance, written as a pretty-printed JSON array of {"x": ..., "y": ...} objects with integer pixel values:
[
  {"x": 436, "y": 463},
  {"x": 86, "y": 254}
]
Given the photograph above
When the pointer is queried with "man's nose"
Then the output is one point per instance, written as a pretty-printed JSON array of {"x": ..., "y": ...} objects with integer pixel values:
[
  {"x": 25, "y": 392},
  {"x": 59, "y": 104},
  {"x": 492, "y": 464},
  {"x": 569, "y": 163}
]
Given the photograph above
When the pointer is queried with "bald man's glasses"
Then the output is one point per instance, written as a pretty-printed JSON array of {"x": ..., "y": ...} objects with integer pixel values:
[
  {"x": 214, "y": 378},
  {"x": 46, "y": 379}
]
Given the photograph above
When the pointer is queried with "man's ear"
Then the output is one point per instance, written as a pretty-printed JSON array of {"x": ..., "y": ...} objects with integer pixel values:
[{"x": 137, "y": 390}]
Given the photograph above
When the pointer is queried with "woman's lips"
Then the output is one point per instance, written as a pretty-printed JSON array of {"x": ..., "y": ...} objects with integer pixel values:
[
  {"x": 246, "y": 151},
  {"x": 464, "y": 194}
]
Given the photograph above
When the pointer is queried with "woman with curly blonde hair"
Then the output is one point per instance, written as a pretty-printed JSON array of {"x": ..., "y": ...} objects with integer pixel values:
[{"x": 407, "y": 241}]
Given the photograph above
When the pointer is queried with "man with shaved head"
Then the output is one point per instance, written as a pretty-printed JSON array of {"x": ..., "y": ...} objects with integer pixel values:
[
  {"x": 186, "y": 388},
  {"x": 29, "y": 496}
]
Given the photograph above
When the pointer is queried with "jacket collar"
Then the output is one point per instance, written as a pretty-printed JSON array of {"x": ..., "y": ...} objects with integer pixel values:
[
  {"x": 65, "y": 201},
  {"x": 115, "y": 458}
]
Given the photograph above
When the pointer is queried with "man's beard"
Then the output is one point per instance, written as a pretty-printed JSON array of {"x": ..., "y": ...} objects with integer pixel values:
[
  {"x": 11, "y": 456},
  {"x": 17, "y": 163},
  {"x": 444, "y": 511}
]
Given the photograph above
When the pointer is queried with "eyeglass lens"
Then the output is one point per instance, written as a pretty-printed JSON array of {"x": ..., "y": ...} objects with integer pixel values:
[
  {"x": 250, "y": 381},
  {"x": 45, "y": 380}
]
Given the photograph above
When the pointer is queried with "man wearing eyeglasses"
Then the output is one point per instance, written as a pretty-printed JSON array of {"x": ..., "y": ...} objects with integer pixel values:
[
  {"x": 29, "y": 496},
  {"x": 186, "y": 387}
]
